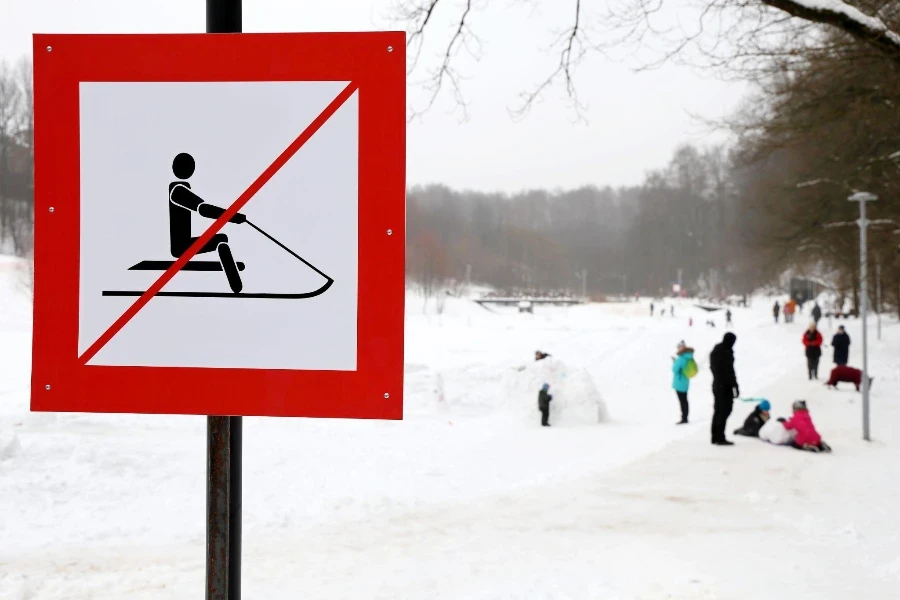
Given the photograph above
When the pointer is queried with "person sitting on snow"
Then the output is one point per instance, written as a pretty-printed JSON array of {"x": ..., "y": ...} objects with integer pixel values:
[
  {"x": 544, "y": 399},
  {"x": 756, "y": 420},
  {"x": 843, "y": 373},
  {"x": 807, "y": 437}
]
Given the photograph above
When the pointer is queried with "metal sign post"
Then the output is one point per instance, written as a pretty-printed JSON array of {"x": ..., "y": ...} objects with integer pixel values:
[
  {"x": 862, "y": 198},
  {"x": 224, "y": 435}
]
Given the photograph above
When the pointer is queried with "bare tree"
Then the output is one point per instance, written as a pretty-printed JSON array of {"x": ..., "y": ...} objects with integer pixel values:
[
  {"x": 10, "y": 121},
  {"x": 729, "y": 35}
]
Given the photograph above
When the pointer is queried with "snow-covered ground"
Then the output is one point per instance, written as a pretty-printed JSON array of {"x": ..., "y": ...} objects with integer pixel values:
[{"x": 468, "y": 497}]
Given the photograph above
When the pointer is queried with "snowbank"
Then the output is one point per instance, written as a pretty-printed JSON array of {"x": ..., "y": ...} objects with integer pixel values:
[
  {"x": 576, "y": 400},
  {"x": 507, "y": 391}
]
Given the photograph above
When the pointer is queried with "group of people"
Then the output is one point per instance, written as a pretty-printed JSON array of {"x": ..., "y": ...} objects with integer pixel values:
[
  {"x": 662, "y": 312},
  {"x": 792, "y": 307},
  {"x": 725, "y": 386},
  {"x": 841, "y": 373},
  {"x": 725, "y": 390},
  {"x": 798, "y": 431}
]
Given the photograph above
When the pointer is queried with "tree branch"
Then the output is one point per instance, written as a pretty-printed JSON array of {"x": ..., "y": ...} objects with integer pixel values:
[
  {"x": 861, "y": 26},
  {"x": 572, "y": 53},
  {"x": 445, "y": 73}
]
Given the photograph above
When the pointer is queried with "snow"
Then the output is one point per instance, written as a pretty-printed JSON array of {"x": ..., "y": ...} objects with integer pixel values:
[
  {"x": 873, "y": 24},
  {"x": 469, "y": 497},
  {"x": 775, "y": 433}
]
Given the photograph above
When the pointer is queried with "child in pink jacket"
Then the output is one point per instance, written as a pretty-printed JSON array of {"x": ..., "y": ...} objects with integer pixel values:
[{"x": 807, "y": 436}]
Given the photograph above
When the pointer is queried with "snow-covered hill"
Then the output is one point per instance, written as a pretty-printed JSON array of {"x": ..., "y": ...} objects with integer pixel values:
[{"x": 468, "y": 497}]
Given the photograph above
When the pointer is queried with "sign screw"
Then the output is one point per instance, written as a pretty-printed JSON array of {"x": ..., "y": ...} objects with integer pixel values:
[
  {"x": 390, "y": 232},
  {"x": 386, "y": 395},
  {"x": 390, "y": 48},
  {"x": 49, "y": 48},
  {"x": 52, "y": 209},
  {"x": 47, "y": 387}
]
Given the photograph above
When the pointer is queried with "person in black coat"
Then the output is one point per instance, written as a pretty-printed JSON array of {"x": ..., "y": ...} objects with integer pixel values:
[
  {"x": 544, "y": 399},
  {"x": 776, "y": 310},
  {"x": 725, "y": 387},
  {"x": 841, "y": 344}
]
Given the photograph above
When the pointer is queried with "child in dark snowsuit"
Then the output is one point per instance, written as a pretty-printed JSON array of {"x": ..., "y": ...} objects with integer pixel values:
[
  {"x": 756, "y": 420},
  {"x": 544, "y": 399}
]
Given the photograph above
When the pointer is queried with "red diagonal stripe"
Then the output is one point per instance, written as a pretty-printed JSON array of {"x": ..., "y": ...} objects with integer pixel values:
[{"x": 236, "y": 206}]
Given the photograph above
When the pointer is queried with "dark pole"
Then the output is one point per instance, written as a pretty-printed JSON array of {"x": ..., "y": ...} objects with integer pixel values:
[
  {"x": 218, "y": 468},
  {"x": 223, "y": 16},
  {"x": 224, "y": 434}
]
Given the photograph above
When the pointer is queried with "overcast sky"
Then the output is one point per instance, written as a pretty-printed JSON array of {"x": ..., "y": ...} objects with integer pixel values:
[{"x": 634, "y": 121}]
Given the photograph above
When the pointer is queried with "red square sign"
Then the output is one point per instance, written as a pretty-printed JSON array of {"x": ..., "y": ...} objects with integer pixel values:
[{"x": 219, "y": 224}]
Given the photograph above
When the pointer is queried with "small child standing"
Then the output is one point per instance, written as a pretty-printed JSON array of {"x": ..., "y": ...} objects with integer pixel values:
[
  {"x": 544, "y": 399},
  {"x": 807, "y": 436}
]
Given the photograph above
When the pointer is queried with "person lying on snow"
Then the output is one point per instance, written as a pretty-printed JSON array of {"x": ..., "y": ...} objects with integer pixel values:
[
  {"x": 756, "y": 420},
  {"x": 807, "y": 437},
  {"x": 538, "y": 355},
  {"x": 845, "y": 374}
]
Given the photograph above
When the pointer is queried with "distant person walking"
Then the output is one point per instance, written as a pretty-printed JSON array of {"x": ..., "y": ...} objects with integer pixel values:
[
  {"x": 728, "y": 322},
  {"x": 817, "y": 313},
  {"x": 652, "y": 309},
  {"x": 683, "y": 368},
  {"x": 812, "y": 341},
  {"x": 841, "y": 344},
  {"x": 544, "y": 399},
  {"x": 792, "y": 307},
  {"x": 672, "y": 310},
  {"x": 776, "y": 310},
  {"x": 725, "y": 387}
]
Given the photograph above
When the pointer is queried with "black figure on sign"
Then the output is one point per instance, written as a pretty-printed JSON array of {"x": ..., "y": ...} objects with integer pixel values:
[{"x": 181, "y": 202}]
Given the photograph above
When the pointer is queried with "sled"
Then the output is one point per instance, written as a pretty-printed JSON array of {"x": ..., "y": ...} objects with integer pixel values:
[
  {"x": 214, "y": 265},
  {"x": 193, "y": 265},
  {"x": 265, "y": 296}
]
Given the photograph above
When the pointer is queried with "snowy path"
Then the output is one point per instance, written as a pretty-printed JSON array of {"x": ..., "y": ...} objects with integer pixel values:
[{"x": 462, "y": 500}]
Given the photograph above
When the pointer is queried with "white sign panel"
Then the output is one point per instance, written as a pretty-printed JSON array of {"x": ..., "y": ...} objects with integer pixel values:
[{"x": 277, "y": 290}]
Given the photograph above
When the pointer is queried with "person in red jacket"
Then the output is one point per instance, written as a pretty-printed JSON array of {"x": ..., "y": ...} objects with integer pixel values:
[
  {"x": 843, "y": 373},
  {"x": 807, "y": 437},
  {"x": 812, "y": 340}
]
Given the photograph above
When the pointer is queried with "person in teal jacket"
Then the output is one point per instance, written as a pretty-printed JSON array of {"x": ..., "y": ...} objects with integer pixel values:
[{"x": 680, "y": 381}]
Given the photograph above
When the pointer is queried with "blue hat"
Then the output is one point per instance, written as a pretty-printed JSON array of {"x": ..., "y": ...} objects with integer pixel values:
[
  {"x": 764, "y": 405},
  {"x": 545, "y": 387}
]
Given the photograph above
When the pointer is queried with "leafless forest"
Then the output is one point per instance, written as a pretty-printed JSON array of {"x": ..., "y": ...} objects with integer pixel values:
[{"x": 823, "y": 122}]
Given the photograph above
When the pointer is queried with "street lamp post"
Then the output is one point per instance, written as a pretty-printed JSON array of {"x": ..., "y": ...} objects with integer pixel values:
[
  {"x": 878, "y": 293},
  {"x": 862, "y": 198}
]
